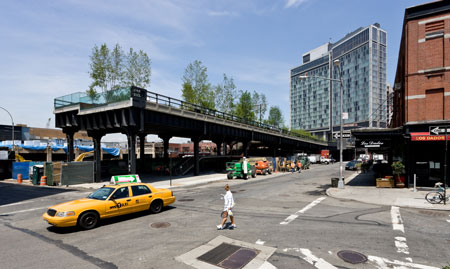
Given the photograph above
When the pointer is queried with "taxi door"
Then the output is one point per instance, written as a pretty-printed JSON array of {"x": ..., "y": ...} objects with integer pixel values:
[
  {"x": 142, "y": 197},
  {"x": 119, "y": 203}
]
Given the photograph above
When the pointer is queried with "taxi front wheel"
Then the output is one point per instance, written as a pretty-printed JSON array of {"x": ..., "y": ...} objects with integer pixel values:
[{"x": 88, "y": 220}]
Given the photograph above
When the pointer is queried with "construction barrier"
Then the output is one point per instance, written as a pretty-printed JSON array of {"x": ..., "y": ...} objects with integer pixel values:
[{"x": 43, "y": 181}]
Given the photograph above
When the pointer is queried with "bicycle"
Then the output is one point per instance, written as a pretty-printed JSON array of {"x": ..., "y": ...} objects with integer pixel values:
[{"x": 435, "y": 197}]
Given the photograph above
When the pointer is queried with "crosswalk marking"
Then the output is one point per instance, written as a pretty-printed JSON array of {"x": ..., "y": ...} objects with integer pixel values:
[{"x": 303, "y": 210}]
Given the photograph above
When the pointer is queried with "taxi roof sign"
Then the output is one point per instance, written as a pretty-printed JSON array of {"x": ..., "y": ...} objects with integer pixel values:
[{"x": 125, "y": 179}]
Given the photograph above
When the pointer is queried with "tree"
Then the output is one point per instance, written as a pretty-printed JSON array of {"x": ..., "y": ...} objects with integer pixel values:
[
  {"x": 112, "y": 69},
  {"x": 244, "y": 109},
  {"x": 225, "y": 94},
  {"x": 275, "y": 117},
  {"x": 196, "y": 88},
  {"x": 100, "y": 63},
  {"x": 259, "y": 104},
  {"x": 137, "y": 72}
]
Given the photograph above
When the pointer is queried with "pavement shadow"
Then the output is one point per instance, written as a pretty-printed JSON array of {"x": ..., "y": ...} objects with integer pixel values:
[
  {"x": 366, "y": 179},
  {"x": 19, "y": 192},
  {"x": 107, "y": 222}
]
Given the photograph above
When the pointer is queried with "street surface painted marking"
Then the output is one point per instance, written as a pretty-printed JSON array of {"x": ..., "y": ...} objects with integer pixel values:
[
  {"x": 408, "y": 259},
  {"x": 384, "y": 263},
  {"x": 259, "y": 242},
  {"x": 448, "y": 219},
  {"x": 307, "y": 255},
  {"x": 267, "y": 265},
  {"x": 397, "y": 222},
  {"x": 18, "y": 203},
  {"x": 400, "y": 244},
  {"x": 21, "y": 211},
  {"x": 303, "y": 210}
]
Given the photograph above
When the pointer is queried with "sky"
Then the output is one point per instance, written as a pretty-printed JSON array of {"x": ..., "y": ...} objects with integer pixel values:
[{"x": 45, "y": 46}]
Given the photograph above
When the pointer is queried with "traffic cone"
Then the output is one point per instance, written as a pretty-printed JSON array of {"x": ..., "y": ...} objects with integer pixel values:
[
  {"x": 43, "y": 180},
  {"x": 19, "y": 178}
]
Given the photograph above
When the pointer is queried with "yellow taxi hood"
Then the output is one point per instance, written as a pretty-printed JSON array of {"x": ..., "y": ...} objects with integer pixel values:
[{"x": 75, "y": 204}]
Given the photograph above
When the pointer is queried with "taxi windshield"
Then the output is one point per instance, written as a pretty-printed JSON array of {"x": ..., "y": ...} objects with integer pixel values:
[{"x": 101, "y": 194}]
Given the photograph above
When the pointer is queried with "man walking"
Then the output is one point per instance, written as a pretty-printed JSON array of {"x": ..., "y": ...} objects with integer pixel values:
[{"x": 228, "y": 206}]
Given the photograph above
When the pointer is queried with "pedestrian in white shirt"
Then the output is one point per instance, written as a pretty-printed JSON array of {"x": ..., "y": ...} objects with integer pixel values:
[{"x": 228, "y": 206}]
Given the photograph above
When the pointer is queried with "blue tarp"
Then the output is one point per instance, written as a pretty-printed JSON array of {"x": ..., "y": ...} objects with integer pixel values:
[{"x": 112, "y": 151}]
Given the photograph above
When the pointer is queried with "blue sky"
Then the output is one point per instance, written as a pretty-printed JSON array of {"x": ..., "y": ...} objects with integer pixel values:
[{"x": 46, "y": 45}]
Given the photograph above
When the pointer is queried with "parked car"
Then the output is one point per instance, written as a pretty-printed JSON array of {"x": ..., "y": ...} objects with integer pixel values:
[
  {"x": 109, "y": 201},
  {"x": 352, "y": 165}
]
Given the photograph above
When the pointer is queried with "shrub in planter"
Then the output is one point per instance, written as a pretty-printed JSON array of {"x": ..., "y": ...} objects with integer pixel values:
[{"x": 398, "y": 168}]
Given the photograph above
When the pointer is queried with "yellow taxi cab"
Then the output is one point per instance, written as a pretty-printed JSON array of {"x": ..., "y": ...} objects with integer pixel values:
[{"x": 109, "y": 201}]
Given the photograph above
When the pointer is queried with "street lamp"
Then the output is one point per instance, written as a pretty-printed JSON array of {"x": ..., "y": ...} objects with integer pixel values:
[
  {"x": 11, "y": 125},
  {"x": 337, "y": 64}
]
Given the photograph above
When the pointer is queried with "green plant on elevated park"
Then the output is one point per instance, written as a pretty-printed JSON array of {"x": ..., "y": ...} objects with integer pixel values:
[{"x": 446, "y": 266}]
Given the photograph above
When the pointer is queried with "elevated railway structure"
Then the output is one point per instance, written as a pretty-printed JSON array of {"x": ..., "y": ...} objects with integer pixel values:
[{"x": 137, "y": 112}]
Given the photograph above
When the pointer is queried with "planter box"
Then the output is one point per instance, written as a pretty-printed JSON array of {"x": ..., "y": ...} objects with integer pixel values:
[{"x": 385, "y": 183}]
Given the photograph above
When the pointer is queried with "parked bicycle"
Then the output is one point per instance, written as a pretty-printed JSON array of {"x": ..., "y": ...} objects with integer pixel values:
[{"x": 435, "y": 197}]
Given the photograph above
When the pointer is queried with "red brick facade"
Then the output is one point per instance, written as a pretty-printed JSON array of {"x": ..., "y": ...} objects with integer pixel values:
[{"x": 423, "y": 72}]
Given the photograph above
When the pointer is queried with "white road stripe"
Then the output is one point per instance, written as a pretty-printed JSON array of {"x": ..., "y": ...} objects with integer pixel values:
[
  {"x": 303, "y": 210},
  {"x": 317, "y": 262},
  {"x": 397, "y": 222},
  {"x": 259, "y": 242},
  {"x": 384, "y": 263},
  {"x": 21, "y": 211},
  {"x": 18, "y": 203},
  {"x": 400, "y": 244}
]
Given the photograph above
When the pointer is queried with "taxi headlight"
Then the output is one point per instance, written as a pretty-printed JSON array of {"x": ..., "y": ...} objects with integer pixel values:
[{"x": 65, "y": 214}]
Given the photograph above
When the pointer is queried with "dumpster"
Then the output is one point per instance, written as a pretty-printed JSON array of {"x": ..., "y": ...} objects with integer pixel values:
[{"x": 38, "y": 172}]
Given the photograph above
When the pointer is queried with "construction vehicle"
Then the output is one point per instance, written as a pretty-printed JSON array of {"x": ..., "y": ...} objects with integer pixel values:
[
  {"x": 235, "y": 169},
  {"x": 21, "y": 159},
  {"x": 83, "y": 155},
  {"x": 262, "y": 165},
  {"x": 303, "y": 158}
]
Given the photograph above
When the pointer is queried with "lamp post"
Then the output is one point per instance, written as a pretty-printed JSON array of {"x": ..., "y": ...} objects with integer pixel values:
[
  {"x": 337, "y": 64},
  {"x": 12, "y": 124}
]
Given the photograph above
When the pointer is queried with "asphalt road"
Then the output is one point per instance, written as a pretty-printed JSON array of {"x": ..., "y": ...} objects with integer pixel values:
[{"x": 289, "y": 212}]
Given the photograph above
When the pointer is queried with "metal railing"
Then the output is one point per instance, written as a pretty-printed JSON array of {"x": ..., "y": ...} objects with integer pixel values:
[{"x": 126, "y": 93}]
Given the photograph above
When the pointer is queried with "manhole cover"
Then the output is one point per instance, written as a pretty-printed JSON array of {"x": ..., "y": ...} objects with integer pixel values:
[
  {"x": 186, "y": 200},
  {"x": 229, "y": 256},
  {"x": 352, "y": 256},
  {"x": 160, "y": 225}
]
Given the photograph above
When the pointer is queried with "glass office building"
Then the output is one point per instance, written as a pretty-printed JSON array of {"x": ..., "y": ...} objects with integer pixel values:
[{"x": 315, "y": 101}]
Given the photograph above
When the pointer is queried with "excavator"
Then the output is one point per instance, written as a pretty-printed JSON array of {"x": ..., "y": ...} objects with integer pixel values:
[{"x": 83, "y": 155}]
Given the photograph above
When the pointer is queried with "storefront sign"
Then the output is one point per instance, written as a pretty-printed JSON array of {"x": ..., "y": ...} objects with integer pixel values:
[
  {"x": 429, "y": 137},
  {"x": 371, "y": 143}
]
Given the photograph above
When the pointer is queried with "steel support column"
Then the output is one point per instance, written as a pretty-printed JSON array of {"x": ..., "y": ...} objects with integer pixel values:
[
  {"x": 196, "y": 141},
  {"x": 97, "y": 137},
  {"x": 166, "y": 139},
  {"x": 69, "y": 138},
  {"x": 131, "y": 136}
]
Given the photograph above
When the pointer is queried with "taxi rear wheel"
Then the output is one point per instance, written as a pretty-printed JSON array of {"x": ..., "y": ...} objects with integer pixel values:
[
  {"x": 156, "y": 206},
  {"x": 88, "y": 220}
]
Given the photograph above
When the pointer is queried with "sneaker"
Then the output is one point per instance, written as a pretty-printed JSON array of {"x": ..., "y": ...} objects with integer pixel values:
[
  {"x": 233, "y": 226},
  {"x": 219, "y": 227}
]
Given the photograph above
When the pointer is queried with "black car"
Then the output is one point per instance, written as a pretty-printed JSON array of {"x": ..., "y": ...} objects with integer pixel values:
[{"x": 351, "y": 165}]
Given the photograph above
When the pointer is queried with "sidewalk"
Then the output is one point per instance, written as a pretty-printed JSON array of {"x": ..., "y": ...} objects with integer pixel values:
[{"x": 361, "y": 187}]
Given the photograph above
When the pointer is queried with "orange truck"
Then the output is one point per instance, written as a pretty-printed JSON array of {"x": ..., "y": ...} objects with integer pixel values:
[{"x": 325, "y": 153}]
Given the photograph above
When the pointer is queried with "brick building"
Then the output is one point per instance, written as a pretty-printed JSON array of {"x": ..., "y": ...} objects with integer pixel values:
[{"x": 421, "y": 97}]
